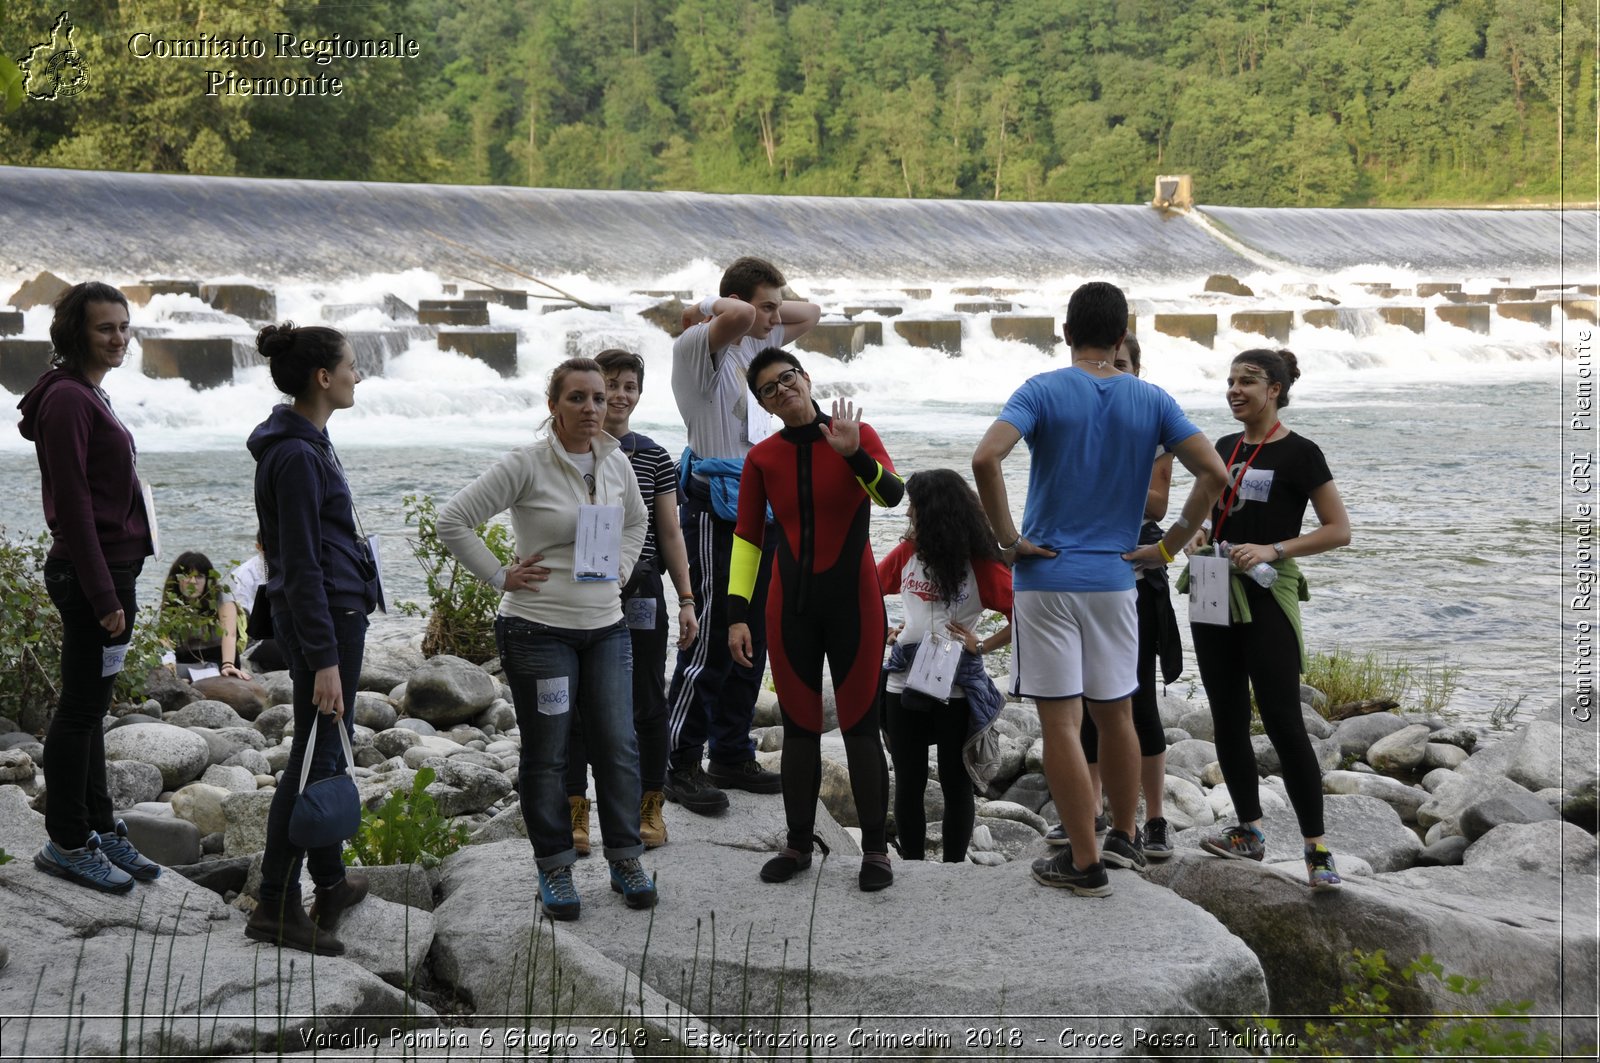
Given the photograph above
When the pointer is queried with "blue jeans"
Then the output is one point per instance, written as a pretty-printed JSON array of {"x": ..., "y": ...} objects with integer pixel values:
[
  {"x": 280, "y": 864},
  {"x": 75, "y": 747},
  {"x": 553, "y": 672}
]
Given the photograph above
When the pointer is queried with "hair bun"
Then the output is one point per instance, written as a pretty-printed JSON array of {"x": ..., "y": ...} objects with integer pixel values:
[
  {"x": 1290, "y": 363},
  {"x": 275, "y": 339}
]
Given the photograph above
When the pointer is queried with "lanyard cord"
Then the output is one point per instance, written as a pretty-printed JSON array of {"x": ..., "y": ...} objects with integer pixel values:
[{"x": 1238, "y": 485}]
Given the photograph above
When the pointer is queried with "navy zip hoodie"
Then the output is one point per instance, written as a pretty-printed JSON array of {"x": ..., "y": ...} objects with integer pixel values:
[
  {"x": 308, "y": 531},
  {"x": 92, "y": 502}
]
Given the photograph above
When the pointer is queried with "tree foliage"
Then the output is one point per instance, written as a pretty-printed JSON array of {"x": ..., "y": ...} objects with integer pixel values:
[{"x": 1268, "y": 102}]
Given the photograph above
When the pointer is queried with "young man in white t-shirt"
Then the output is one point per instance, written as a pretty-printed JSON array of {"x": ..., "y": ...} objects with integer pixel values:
[{"x": 712, "y": 699}]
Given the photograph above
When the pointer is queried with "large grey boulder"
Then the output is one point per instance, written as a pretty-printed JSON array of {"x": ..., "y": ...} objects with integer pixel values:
[
  {"x": 387, "y": 664},
  {"x": 16, "y": 767},
  {"x": 222, "y": 992},
  {"x": 1443, "y": 755},
  {"x": 1554, "y": 754},
  {"x": 229, "y": 742},
  {"x": 252, "y": 760},
  {"x": 1357, "y": 734},
  {"x": 1198, "y": 723},
  {"x": 447, "y": 690},
  {"x": 274, "y": 722},
  {"x": 178, "y": 753},
  {"x": 1404, "y": 799},
  {"x": 375, "y": 711},
  {"x": 206, "y": 714},
  {"x": 1401, "y": 751},
  {"x": 462, "y": 787},
  {"x": 997, "y": 933},
  {"x": 247, "y": 697},
  {"x": 132, "y": 782},
  {"x": 1551, "y": 846},
  {"x": 1455, "y": 794},
  {"x": 1185, "y": 804},
  {"x": 395, "y": 741},
  {"x": 1581, "y": 807},
  {"x": 201, "y": 804},
  {"x": 246, "y": 816},
  {"x": 1354, "y": 825},
  {"x": 1192, "y": 755},
  {"x": 235, "y": 779},
  {"x": 1487, "y": 813}
]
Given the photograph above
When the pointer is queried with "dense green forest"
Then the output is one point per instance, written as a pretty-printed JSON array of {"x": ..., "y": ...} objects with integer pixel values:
[{"x": 1266, "y": 102}]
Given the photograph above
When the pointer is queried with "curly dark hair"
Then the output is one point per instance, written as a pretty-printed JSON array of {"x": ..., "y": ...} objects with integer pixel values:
[{"x": 949, "y": 528}]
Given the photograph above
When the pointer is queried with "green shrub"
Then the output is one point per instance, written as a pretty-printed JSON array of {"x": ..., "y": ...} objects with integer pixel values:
[
  {"x": 30, "y": 634},
  {"x": 1345, "y": 678},
  {"x": 1365, "y": 1024},
  {"x": 155, "y": 633},
  {"x": 406, "y": 829},
  {"x": 461, "y": 607}
]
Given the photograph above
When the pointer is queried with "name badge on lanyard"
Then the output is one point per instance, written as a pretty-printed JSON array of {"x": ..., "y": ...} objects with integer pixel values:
[
  {"x": 597, "y": 554},
  {"x": 1208, "y": 589}
]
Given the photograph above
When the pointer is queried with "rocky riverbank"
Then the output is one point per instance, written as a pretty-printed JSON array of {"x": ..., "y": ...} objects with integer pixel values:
[{"x": 1478, "y": 850}]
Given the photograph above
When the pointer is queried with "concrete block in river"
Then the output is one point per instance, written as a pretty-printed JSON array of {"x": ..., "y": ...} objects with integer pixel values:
[
  {"x": 512, "y": 297},
  {"x": 1474, "y": 316},
  {"x": 241, "y": 300},
  {"x": 1321, "y": 318},
  {"x": 1436, "y": 288},
  {"x": 10, "y": 322},
  {"x": 941, "y": 333},
  {"x": 836, "y": 339},
  {"x": 1575, "y": 309},
  {"x": 986, "y": 306},
  {"x": 918, "y": 293},
  {"x": 983, "y": 291},
  {"x": 681, "y": 296},
  {"x": 1133, "y": 324},
  {"x": 42, "y": 290},
  {"x": 203, "y": 362},
  {"x": 21, "y": 363},
  {"x": 398, "y": 308},
  {"x": 1536, "y": 313},
  {"x": 1200, "y": 328},
  {"x": 498, "y": 350},
  {"x": 1273, "y": 324},
  {"x": 448, "y": 312},
  {"x": 375, "y": 347},
  {"x": 873, "y": 333},
  {"x": 337, "y": 312},
  {"x": 1369, "y": 286},
  {"x": 1512, "y": 295},
  {"x": 555, "y": 308},
  {"x": 1227, "y": 285},
  {"x": 1468, "y": 297},
  {"x": 1033, "y": 330},
  {"x": 1410, "y": 317},
  {"x": 140, "y": 294},
  {"x": 880, "y": 309}
]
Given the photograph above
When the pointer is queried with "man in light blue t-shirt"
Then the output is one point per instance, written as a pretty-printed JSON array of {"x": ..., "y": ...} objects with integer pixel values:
[{"x": 1092, "y": 432}]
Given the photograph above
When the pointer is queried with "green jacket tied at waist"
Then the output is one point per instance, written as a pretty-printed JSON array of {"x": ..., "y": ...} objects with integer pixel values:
[{"x": 1290, "y": 589}]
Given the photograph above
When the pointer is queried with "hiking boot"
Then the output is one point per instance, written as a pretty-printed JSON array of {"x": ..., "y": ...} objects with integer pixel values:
[
  {"x": 876, "y": 873},
  {"x": 1319, "y": 868},
  {"x": 790, "y": 862},
  {"x": 329, "y": 904},
  {"x": 580, "y": 823},
  {"x": 691, "y": 788},
  {"x": 557, "y": 893},
  {"x": 285, "y": 924},
  {"x": 1237, "y": 843},
  {"x": 1058, "y": 871},
  {"x": 747, "y": 775},
  {"x": 87, "y": 866},
  {"x": 1122, "y": 851},
  {"x": 120, "y": 851},
  {"x": 1157, "y": 845},
  {"x": 637, "y": 888},
  {"x": 652, "y": 827}
]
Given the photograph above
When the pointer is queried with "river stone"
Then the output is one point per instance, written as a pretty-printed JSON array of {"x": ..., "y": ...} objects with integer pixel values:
[
  {"x": 234, "y": 779},
  {"x": 501, "y": 716},
  {"x": 463, "y": 788},
  {"x": 24, "y": 741},
  {"x": 1185, "y": 804},
  {"x": 1492, "y": 761},
  {"x": 246, "y": 816},
  {"x": 1033, "y": 759},
  {"x": 1023, "y": 716},
  {"x": 230, "y": 741},
  {"x": 1354, "y": 824},
  {"x": 132, "y": 782},
  {"x": 247, "y": 697},
  {"x": 1317, "y": 725},
  {"x": 368, "y": 757},
  {"x": 278, "y": 755},
  {"x": 1483, "y": 815},
  {"x": 1554, "y": 755},
  {"x": 1446, "y": 852},
  {"x": 395, "y": 741},
  {"x": 464, "y": 733},
  {"x": 1454, "y": 794},
  {"x": 1172, "y": 709},
  {"x": 179, "y": 754},
  {"x": 375, "y": 711},
  {"x": 201, "y": 804},
  {"x": 421, "y": 727},
  {"x": 1357, "y": 734},
  {"x": 407, "y": 884},
  {"x": 1462, "y": 737},
  {"x": 387, "y": 664},
  {"x": 275, "y": 721},
  {"x": 1437, "y": 778},
  {"x": 1550, "y": 846},
  {"x": 252, "y": 760},
  {"x": 1030, "y": 791},
  {"x": 1580, "y": 808},
  {"x": 1199, "y": 724},
  {"x": 16, "y": 766},
  {"x": 1443, "y": 755},
  {"x": 1310, "y": 695},
  {"x": 165, "y": 839},
  {"x": 169, "y": 691},
  {"x": 447, "y": 690},
  {"x": 1405, "y": 800},
  {"x": 1401, "y": 751},
  {"x": 505, "y": 825},
  {"x": 1013, "y": 811},
  {"x": 1192, "y": 755},
  {"x": 1174, "y": 735},
  {"x": 213, "y": 714}
]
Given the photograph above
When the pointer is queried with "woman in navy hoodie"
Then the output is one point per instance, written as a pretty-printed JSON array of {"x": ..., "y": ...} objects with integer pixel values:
[
  {"x": 94, "y": 507},
  {"x": 324, "y": 582}
]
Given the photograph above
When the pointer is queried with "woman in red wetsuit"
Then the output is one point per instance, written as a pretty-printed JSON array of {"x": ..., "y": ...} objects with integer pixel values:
[{"x": 821, "y": 475}]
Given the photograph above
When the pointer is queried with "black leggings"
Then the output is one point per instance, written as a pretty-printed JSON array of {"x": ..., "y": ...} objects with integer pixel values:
[
  {"x": 1146, "y": 713},
  {"x": 802, "y": 780},
  {"x": 1264, "y": 654},
  {"x": 910, "y": 733}
]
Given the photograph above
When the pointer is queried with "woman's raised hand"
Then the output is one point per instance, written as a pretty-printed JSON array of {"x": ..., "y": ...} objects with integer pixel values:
[{"x": 844, "y": 433}]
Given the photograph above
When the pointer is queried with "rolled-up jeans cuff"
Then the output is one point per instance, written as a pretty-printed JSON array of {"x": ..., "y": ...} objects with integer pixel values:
[
  {"x": 626, "y": 852},
  {"x": 566, "y": 858}
]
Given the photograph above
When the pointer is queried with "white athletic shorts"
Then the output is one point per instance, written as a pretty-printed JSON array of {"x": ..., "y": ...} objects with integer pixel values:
[{"x": 1068, "y": 644}]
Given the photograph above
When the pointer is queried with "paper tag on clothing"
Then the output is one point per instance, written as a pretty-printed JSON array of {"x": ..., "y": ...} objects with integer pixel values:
[
  {"x": 757, "y": 425},
  {"x": 1208, "y": 589},
  {"x": 375, "y": 545},
  {"x": 639, "y": 613},
  {"x": 1257, "y": 484},
  {"x": 597, "y": 554},
  {"x": 933, "y": 672},
  {"x": 203, "y": 672},
  {"x": 150, "y": 518},
  {"x": 552, "y": 694},
  {"x": 111, "y": 658}
]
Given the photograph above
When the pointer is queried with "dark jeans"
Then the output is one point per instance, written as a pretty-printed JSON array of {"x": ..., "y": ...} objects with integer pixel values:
[
  {"x": 280, "y": 864},
  {"x": 75, "y": 747},
  {"x": 556, "y": 673},
  {"x": 910, "y": 733},
  {"x": 649, "y": 692},
  {"x": 713, "y": 700}
]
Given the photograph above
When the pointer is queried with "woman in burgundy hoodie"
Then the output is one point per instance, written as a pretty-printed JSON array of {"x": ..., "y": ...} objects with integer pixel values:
[{"x": 94, "y": 506}]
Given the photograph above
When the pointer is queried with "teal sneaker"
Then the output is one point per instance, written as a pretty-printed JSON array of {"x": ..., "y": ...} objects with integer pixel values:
[
  {"x": 120, "y": 851},
  {"x": 87, "y": 866},
  {"x": 1237, "y": 843},
  {"x": 557, "y": 893}
]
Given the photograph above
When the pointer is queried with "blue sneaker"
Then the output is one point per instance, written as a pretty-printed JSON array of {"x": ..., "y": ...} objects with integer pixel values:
[
  {"x": 87, "y": 866},
  {"x": 557, "y": 893},
  {"x": 637, "y": 888},
  {"x": 120, "y": 851}
]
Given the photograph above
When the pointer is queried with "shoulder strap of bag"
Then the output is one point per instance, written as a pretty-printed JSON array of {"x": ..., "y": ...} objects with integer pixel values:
[{"x": 311, "y": 746}]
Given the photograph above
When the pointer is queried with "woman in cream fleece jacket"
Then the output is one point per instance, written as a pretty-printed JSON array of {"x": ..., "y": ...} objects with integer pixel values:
[{"x": 562, "y": 639}]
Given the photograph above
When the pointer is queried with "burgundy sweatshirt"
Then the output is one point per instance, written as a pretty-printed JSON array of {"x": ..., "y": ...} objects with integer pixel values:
[{"x": 92, "y": 502}]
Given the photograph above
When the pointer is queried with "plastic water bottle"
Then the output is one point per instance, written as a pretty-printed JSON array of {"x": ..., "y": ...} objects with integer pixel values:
[{"x": 1263, "y": 573}]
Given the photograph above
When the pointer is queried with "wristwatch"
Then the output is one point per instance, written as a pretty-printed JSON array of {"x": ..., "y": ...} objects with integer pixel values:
[{"x": 1278, "y": 547}]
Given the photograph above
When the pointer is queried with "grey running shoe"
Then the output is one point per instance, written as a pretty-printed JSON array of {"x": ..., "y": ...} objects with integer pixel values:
[
  {"x": 1058, "y": 871},
  {"x": 1237, "y": 843},
  {"x": 87, "y": 866},
  {"x": 1122, "y": 851},
  {"x": 1157, "y": 845}
]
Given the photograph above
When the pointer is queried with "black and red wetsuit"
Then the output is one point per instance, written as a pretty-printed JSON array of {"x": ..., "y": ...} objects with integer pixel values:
[{"x": 823, "y": 603}]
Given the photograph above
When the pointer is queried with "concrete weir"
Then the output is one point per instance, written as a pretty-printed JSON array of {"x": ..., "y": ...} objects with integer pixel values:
[
  {"x": 1537, "y": 313},
  {"x": 941, "y": 333},
  {"x": 1411, "y": 317},
  {"x": 469, "y": 312},
  {"x": 1032, "y": 329},
  {"x": 140, "y": 294},
  {"x": 1200, "y": 328},
  {"x": 1473, "y": 316},
  {"x": 509, "y": 297},
  {"x": 842, "y": 340},
  {"x": 10, "y": 322},
  {"x": 1273, "y": 324},
  {"x": 21, "y": 362},
  {"x": 495, "y": 348},
  {"x": 201, "y": 362},
  {"x": 242, "y": 300}
]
